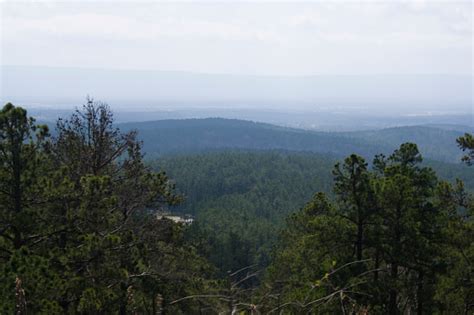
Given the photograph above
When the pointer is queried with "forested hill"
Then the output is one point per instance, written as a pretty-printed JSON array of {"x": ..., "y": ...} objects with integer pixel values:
[
  {"x": 285, "y": 180},
  {"x": 241, "y": 199},
  {"x": 434, "y": 142},
  {"x": 198, "y": 135}
]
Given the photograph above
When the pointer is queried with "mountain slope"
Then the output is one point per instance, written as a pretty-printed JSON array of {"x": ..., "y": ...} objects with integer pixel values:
[
  {"x": 199, "y": 135},
  {"x": 243, "y": 197},
  {"x": 434, "y": 143}
]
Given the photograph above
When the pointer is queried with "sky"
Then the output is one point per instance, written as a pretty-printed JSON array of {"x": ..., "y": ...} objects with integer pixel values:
[{"x": 246, "y": 37}]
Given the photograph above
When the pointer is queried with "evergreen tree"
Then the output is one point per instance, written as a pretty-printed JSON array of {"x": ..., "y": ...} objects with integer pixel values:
[
  {"x": 353, "y": 191},
  {"x": 78, "y": 233},
  {"x": 381, "y": 246},
  {"x": 23, "y": 220},
  {"x": 409, "y": 225},
  {"x": 466, "y": 143}
]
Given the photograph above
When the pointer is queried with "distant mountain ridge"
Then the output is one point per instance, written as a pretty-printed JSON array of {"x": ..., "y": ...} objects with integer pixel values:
[{"x": 200, "y": 135}]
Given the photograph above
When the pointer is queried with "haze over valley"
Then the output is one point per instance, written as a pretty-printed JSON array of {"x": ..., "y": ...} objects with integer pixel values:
[{"x": 323, "y": 102}]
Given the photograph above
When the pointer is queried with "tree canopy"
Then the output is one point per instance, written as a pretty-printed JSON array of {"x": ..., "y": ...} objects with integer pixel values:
[
  {"x": 77, "y": 224},
  {"x": 80, "y": 234}
]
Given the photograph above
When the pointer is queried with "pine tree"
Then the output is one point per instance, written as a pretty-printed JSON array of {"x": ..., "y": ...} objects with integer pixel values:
[
  {"x": 78, "y": 223},
  {"x": 466, "y": 143}
]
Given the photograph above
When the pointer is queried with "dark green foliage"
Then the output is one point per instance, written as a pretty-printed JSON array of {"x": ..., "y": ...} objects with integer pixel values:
[
  {"x": 394, "y": 240},
  {"x": 356, "y": 197},
  {"x": 244, "y": 196},
  {"x": 315, "y": 241},
  {"x": 466, "y": 143},
  {"x": 77, "y": 224},
  {"x": 199, "y": 135},
  {"x": 285, "y": 179},
  {"x": 452, "y": 172},
  {"x": 79, "y": 232},
  {"x": 240, "y": 199}
]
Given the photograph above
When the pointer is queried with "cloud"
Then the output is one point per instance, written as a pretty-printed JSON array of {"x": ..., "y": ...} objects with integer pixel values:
[
  {"x": 113, "y": 27},
  {"x": 258, "y": 37}
]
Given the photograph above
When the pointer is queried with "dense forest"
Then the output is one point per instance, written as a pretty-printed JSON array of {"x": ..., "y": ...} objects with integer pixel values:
[
  {"x": 201, "y": 135},
  {"x": 276, "y": 230},
  {"x": 245, "y": 196}
]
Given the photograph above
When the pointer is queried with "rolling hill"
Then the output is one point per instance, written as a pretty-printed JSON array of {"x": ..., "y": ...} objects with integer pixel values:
[{"x": 199, "y": 135}]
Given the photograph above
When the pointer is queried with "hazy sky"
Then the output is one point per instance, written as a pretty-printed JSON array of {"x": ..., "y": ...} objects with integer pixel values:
[{"x": 252, "y": 37}]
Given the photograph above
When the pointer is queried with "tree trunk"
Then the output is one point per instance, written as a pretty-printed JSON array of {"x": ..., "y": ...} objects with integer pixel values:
[
  {"x": 20, "y": 300},
  {"x": 17, "y": 193},
  {"x": 360, "y": 233},
  {"x": 392, "y": 306},
  {"x": 419, "y": 294},
  {"x": 377, "y": 265}
]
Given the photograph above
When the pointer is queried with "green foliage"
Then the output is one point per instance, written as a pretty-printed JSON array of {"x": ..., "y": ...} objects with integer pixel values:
[
  {"x": 394, "y": 240},
  {"x": 201, "y": 135},
  {"x": 240, "y": 199},
  {"x": 191, "y": 136},
  {"x": 466, "y": 143},
  {"x": 433, "y": 142},
  {"x": 77, "y": 224},
  {"x": 314, "y": 242},
  {"x": 452, "y": 172},
  {"x": 79, "y": 232},
  {"x": 245, "y": 196},
  {"x": 455, "y": 289}
]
